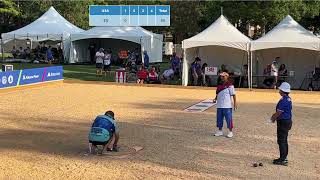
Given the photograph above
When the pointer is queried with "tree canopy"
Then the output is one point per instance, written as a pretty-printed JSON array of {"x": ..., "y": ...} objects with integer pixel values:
[{"x": 187, "y": 17}]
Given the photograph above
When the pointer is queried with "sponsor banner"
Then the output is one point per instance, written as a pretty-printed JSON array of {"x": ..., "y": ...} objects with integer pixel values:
[
  {"x": 9, "y": 78},
  {"x": 53, "y": 73},
  {"x": 30, "y": 76}
]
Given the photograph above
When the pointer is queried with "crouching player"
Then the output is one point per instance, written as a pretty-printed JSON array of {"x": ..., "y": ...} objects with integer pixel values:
[{"x": 104, "y": 132}]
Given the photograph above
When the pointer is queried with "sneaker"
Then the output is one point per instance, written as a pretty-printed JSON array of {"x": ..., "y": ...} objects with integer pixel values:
[
  {"x": 281, "y": 162},
  {"x": 218, "y": 133},
  {"x": 230, "y": 135}
]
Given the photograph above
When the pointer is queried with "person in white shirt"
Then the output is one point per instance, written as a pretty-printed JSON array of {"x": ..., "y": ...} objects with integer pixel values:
[
  {"x": 99, "y": 61},
  {"x": 224, "y": 95},
  {"x": 107, "y": 62},
  {"x": 274, "y": 70}
]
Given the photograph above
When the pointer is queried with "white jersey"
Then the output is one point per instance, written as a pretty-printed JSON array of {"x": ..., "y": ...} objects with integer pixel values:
[
  {"x": 99, "y": 57},
  {"x": 224, "y": 97},
  {"x": 107, "y": 59}
]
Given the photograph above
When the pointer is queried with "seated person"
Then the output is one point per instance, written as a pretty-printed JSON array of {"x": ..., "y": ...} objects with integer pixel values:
[
  {"x": 27, "y": 53},
  {"x": 153, "y": 76},
  {"x": 282, "y": 72},
  {"x": 14, "y": 52},
  {"x": 142, "y": 75},
  {"x": 21, "y": 53},
  {"x": 104, "y": 131},
  {"x": 167, "y": 74},
  {"x": 268, "y": 81}
]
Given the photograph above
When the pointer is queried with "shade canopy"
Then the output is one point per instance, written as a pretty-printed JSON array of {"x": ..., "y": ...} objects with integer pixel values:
[
  {"x": 50, "y": 26},
  {"x": 219, "y": 33},
  {"x": 149, "y": 41},
  {"x": 288, "y": 33}
]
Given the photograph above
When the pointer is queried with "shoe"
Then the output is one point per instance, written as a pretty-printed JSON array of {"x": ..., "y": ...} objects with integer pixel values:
[
  {"x": 230, "y": 135},
  {"x": 276, "y": 160},
  {"x": 218, "y": 133},
  {"x": 281, "y": 162}
]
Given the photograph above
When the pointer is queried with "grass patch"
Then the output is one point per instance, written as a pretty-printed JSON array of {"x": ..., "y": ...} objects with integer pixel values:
[{"x": 86, "y": 72}]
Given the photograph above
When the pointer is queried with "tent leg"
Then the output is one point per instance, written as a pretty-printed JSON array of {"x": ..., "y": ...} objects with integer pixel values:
[
  {"x": 2, "y": 55},
  {"x": 251, "y": 71}
]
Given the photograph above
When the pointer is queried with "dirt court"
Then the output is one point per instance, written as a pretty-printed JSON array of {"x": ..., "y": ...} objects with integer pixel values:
[{"x": 44, "y": 132}]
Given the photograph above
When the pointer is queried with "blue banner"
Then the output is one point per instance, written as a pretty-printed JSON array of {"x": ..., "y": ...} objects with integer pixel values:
[
  {"x": 9, "y": 78},
  {"x": 30, "y": 76},
  {"x": 53, "y": 73}
]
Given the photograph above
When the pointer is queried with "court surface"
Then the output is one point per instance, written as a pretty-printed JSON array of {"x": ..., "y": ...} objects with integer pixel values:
[{"x": 44, "y": 131}]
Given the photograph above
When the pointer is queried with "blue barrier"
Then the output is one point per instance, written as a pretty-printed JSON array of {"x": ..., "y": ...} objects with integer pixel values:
[{"x": 30, "y": 76}]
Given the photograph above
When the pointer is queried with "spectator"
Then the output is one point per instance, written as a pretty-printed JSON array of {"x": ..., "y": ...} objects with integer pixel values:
[
  {"x": 196, "y": 71},
  {"x": 205, "y": 78},
  {"x": 137, "y": 55},
  {"x": 282, "y": 72},
  {"x": 21, "y": 53},
  {"x": 142, "y": 75},
  {"x": 244, "y": 76},
  {"x": 37, "y": 53},
  {"x": 99, "y": 61},
  {"x": 60, "y": 54},
  {"x": 268, "y": 82},
  {"x": 153, "y": 76},
  {"x": 107, "y": 62},
  {"x": 274, "y": 71},
  {"x": 92, "y": 51},
  {"x": 175, "y": 64},
  {"x": 49, "y": 55},
  {"x": 167, "y": 74},
  {"x": 14, "y": 52},
  {"x": 146, "y": 59},
  {"x": 27, "y": 53}
]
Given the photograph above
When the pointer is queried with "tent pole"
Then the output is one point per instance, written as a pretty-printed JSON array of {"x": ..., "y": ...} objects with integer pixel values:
[
  {"x": 185, "y": 77},
  {"x": 2, "y": 50},
  {"x": 248, "y": 70},
  {"x": 251, "y": 71}
]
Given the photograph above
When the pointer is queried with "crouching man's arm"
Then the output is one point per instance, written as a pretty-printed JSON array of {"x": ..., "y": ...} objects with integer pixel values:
[{"x": 116, "y": 139}]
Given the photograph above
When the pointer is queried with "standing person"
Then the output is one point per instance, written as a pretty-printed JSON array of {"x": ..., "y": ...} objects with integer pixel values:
[
  {"x": 146, "y": 59},
  {"x": 104, "y": 131},
  {"x": 92, "y": 52},
  {"x": 107, "y": 62},
  {"x": 175, "y": 64},
  {"x": 224, "y": 94},
  {"x": 196, "y": 71},
  {"x": 49, "y": 55},
  {"x": 274, "y": 71},
  {"x": 99, "y": 61},
  {"x": 283, "y": 116}
]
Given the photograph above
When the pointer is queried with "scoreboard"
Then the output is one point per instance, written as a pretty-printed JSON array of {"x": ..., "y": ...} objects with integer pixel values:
[{"x": 129, "y": 15}]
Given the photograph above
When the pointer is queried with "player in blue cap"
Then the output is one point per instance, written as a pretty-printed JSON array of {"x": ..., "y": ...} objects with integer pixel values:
[{"x": 104, "y": 131}]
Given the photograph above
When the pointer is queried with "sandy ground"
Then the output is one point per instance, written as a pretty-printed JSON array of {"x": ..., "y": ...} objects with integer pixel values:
[{"x": 44, "y": 134}]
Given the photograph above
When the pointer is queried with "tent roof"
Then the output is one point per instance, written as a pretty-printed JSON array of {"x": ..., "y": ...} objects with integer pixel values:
[
  {"x": 288, "y": 33},
  {"x": 50, "y": 23},
  {"x": 219, "y": 33},
  {"x": 121, "y": 32}
]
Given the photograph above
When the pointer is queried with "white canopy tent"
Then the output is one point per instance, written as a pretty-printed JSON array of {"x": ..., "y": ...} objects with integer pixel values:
[
  {"x": 50, "y": 26},
  {"x": 148, "y": 41},
  {"x": 220, "y": 43},
  {"x": 297, "y": 48}
]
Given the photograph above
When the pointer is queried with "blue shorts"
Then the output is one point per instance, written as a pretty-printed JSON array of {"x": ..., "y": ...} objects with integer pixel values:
[{"x": 224, "y": 113}]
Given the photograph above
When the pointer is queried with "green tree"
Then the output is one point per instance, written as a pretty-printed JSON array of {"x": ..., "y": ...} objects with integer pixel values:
[{"x": 8, "y": 11}]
